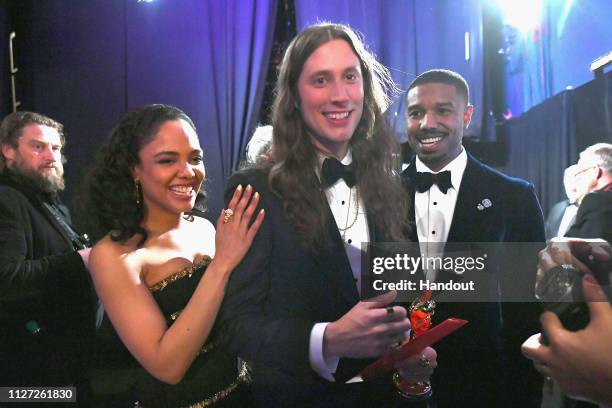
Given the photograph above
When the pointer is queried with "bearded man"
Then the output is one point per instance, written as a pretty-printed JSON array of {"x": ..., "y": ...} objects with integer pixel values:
[{"x": 46, "y": 303}]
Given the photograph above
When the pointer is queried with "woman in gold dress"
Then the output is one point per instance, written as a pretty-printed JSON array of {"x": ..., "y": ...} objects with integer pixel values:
[{"x": 161, "y": 270}]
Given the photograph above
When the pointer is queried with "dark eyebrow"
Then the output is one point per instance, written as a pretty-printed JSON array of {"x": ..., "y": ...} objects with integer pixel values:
[
  {"x": 414, "y": 106},
  {"x": 438, "y": 105},
  {"x": 43, "y": 142},
  {"x": 352, "y": 68},
  {"x": 166, "y": 153},
  {"x": 320, "y": 72},
  {"x": 172, "y": 153}
]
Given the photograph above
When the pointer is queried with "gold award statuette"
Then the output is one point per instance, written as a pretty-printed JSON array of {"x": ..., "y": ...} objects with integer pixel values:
[{"x": 420, "y": 313}]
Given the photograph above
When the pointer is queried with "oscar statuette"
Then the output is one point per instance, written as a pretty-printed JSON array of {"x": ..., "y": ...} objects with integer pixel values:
[{"x": 420, "y": 313}]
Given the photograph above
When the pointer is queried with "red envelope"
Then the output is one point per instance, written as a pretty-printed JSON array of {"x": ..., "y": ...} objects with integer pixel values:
[{"x": 385, "y": 363}]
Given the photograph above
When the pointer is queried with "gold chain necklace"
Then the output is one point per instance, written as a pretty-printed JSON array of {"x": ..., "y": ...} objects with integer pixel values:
[{"x": 348, "y": 211}]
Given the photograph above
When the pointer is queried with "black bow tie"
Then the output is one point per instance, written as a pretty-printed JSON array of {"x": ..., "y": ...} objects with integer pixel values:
[
  {"x": 333, "y": 170},
  {"x": 424, "y": 181}
]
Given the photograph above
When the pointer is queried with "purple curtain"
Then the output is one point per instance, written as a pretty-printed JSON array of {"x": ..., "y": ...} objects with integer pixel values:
[
  {"x": 556, "y": 54},
  {"x": 412, "y": 36},
  {"x": 546, "y": 139},
  {"x": 210, "y": 58}
]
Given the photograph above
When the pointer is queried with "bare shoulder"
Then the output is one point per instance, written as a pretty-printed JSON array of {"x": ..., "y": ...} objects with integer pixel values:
[
  {"x": 197, "y": 226},
  {"x": 200, "y": 235},
  {"x": 106, "y": 248},
  {"x": 204, "y": 226},
  {"x": 111, "y": 257}
]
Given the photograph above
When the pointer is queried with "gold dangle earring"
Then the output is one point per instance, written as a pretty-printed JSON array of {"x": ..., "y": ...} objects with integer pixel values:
[{"x": 137, "y": 191}]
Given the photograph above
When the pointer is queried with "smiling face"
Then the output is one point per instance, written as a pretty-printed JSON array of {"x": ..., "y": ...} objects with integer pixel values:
[
  {"x": 171, "y": 170},
  {"x": 38, "y": 157},
  {"x": 436, "y": 117},
  {"x": 330, "y": 90}
]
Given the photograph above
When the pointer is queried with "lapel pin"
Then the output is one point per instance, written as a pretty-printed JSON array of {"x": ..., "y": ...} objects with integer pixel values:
[{"x": 486, "y": 203}]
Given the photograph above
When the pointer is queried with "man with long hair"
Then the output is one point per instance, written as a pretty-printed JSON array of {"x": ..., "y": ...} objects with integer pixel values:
[{"x": 293, "y": 308}]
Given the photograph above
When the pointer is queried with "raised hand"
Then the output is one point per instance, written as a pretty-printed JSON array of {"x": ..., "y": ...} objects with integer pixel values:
[
  {"x": 579, "y": 361},
  {"x": 236, "y": 227},
  {"x": 568, "y": 252},
  {"x": 369, "y": 329}
]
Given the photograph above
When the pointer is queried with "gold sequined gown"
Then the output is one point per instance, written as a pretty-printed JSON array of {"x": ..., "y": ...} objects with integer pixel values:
[{"x": 214, "y": 379}]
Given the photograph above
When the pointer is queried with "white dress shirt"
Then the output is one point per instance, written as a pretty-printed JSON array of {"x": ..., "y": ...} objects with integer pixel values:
[
  {"x": 350, "y": 216},
  {"x": 433, "y": 210},
  {"x": 569, "y": 216}
]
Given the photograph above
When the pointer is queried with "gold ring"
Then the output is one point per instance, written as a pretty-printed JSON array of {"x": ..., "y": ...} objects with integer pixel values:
[
  {"x": 389, "y": 311},
  {"x": 228, "y": 214},
  {"x": 424, "y": 361},
  {"x": 396, "y": 342}
]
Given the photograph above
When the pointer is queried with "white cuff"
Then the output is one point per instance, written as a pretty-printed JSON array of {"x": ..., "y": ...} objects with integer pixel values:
[{"x": 322, "y": 366}]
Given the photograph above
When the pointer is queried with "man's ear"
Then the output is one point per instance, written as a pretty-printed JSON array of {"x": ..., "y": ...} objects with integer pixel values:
[
  {"x": 9, "y": 153},
  {"x": 467, "y": 116}
]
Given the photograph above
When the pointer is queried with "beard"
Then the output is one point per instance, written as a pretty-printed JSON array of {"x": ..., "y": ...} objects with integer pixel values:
[{"x": 47, "y": 181}]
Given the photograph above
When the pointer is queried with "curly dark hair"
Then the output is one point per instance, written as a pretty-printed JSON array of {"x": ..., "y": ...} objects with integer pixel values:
[
  {"x": 110, "y": 190},
  {"x": 375, "y": 149}
]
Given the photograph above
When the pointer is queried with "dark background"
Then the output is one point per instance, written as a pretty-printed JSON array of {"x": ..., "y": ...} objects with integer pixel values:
[{"x": 85, "y": 63}]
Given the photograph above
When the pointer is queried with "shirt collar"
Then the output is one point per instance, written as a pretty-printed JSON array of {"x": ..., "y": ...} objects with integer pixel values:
[{"x": 456, "y": 167}]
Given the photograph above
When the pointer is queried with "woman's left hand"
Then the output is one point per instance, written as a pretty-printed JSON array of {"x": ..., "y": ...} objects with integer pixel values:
[{"x": 236, "y": 228}]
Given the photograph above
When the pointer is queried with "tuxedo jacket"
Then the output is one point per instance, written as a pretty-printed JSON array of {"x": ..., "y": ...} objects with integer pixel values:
[
  {"x": 594, "y": 217},
  {"x": 42, "y": 281},
  {"x": 273, "y": 299},
  {"x": 481, "y": 364},
  {"x": 553, "y": 221}
]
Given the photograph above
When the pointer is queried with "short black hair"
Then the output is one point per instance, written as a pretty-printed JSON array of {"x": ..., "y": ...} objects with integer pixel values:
[{"x": 443, "y": 76}]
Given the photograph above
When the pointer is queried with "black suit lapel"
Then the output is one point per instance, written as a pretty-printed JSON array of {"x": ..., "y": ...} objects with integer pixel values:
[{"x": 467, "y": 220}]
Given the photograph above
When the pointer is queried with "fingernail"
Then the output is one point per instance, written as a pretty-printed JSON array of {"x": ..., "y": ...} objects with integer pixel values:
[
  {"x": 249, "y": 187},
  {"x": 239, "y": 187},
  {"x": 262, "y": 211},
  {"x": 256, "y": 195}
]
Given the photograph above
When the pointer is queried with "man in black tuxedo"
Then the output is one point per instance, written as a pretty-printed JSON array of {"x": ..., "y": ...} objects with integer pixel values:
[
  {"x": 292, "y": 307},
  {"x": 456, "y": 198},
  {"x": 46, "y": 300},
  {"x": 594, "y": 185}
]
